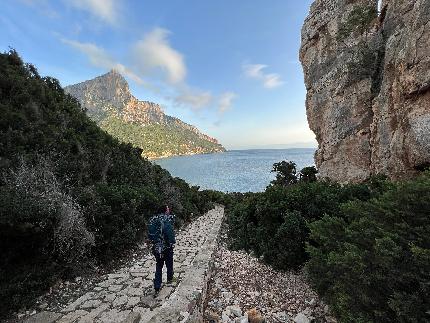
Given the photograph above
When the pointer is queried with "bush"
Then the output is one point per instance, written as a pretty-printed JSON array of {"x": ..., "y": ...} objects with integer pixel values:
[
  {"x": 39, "y": 191},
  {"x": 371, "y": 260},
  {"x": 358, "y": 21},
  {"x": 273, "y": 224}
]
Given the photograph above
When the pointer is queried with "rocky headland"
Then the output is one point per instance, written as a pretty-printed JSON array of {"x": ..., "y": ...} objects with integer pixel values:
[
  {"x": 368, "y": 86},
  {"x": 108, "y": 100}
]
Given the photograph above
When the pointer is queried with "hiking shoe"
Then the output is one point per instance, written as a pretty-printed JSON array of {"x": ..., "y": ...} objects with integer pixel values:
[{"x": 156, "y": 293}]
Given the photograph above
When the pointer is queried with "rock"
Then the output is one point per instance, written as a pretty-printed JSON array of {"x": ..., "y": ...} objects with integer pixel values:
[
  {"x": 133, "y": 301},
  {"x": 72, "y": 316},
  {"x": 212, "y": 317},
  {"x": 91, "y": 304},
  {"x": 369, "y": 116},
  {"x": 93, "y": 314},
  {"x": 242, "y": 319},
  {"x": 114, "y": 316},
  {"x": 43, "y": 306},
  {"x": 282, "y": 317},
  {"x": 165, "y": 292},
  {"x": 301, "y": 318},
  {"x": 311, "y": 302},
  {"x": 120, "y": 300},
  {"x": 133, "y": 317},
  {"x": 115, "y": 288},
  {"x": 227, "y": 295},
  {"x": 72, "y": 306},
  {"x": 235, "y": 310},
  {"x": 254, "y": 316},
  {"x": 149, "y": 301},
  {"x": 227, "y": 312},
  {"x": 43, "y": 317}
]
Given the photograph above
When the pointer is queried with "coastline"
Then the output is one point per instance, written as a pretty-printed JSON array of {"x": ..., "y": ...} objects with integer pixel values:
[{"x": 185, "y": 154}]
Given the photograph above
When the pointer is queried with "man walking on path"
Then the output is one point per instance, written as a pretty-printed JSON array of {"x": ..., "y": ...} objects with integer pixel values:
[{"x": 162, "y": 236}]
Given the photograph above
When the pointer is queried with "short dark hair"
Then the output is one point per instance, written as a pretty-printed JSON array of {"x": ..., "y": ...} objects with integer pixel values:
[{"x": 162, "y": 209}]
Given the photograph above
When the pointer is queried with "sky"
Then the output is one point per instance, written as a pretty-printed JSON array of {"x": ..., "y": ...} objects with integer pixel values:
[{"x": 231, "y": 68}]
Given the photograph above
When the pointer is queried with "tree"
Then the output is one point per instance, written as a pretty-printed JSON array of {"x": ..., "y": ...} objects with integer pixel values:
[
  {"x": 286, "y": 173},
  {"x": 308, "y": 174}
]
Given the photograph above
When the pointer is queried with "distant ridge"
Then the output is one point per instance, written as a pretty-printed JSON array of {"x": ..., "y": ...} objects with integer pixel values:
[{"x": 108, "y": 100}]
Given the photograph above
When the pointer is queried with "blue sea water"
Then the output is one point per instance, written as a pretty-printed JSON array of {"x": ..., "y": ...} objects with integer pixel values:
[{"x": 234, "y": 170}]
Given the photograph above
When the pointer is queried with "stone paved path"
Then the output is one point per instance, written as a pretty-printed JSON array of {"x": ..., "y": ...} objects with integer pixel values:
[{"x": 127, "y": 294}]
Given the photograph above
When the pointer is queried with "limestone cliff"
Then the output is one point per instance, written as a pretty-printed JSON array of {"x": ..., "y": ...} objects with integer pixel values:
[
  {"x": 108, "y": 100},
  {"x": 368, "y": 86}
]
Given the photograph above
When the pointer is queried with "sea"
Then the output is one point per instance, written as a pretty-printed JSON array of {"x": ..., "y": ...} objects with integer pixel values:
[{"x": 234, "y": 170}]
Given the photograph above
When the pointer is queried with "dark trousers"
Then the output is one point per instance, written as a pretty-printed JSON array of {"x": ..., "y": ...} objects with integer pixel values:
[{"x": 165, "y": 258}]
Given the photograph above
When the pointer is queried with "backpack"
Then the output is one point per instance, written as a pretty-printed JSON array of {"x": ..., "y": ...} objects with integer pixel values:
[{"x": 161, "y": 232}]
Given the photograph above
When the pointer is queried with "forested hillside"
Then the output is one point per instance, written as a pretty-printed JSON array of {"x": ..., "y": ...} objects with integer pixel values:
[{"x": 70, "y": 194}]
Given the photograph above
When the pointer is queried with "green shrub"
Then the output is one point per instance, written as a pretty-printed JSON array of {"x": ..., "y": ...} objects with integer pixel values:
[
  {"x": 358, "y": 21},
  {"x": 273, "y": 224},
  {"x": 371, "y": 260}
]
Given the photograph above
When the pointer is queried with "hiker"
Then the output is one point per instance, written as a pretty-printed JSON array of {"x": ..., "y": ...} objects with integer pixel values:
[{"x": 162, "y": 236}]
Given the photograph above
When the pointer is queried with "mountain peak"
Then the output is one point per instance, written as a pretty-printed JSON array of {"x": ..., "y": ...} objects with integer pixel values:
[
  {"x": 113, "y": 78},
  {"x": 108, "y": 101},
  {"x": 114, "y": 73},
  {"x": 107, "y": 92}
]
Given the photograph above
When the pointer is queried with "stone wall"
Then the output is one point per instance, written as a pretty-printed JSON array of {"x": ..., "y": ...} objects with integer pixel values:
[{"x": 368, "y": 98}]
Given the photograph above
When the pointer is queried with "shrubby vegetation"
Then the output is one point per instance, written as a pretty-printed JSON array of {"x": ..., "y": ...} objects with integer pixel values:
[
  {"x": 358, "y": 21},
  {"x": 371, "y": 260},
  {"x": 366, "y": 246},
  {"x": 70, "y": 194},
  {"x": 159, "y": 139}
]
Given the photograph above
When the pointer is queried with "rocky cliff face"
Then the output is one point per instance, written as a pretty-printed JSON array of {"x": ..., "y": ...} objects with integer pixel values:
[
  {"x": 103, "y": 94},
  {"x": 109, "y": 102},
  {"x": 368, "y": 86}
]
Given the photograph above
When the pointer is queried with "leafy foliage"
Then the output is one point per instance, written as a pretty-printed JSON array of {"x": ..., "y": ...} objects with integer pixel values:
[
  {"x": 69, "y": 192},
  {"x": 308, "y": 174},
  {"x": 273, "y": 224},
  {"x": 285, "y": 173},
  {"x": 371, "y": 260}
]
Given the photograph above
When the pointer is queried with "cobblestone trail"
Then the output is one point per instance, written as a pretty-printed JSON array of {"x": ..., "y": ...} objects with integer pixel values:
[{"x": 127, "y": 294}]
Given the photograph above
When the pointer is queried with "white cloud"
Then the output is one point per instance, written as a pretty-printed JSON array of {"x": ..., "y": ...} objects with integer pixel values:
[
  {"x": 225, "y": 101},
  {"x": 193, "y": 98},
  {"x": 105, "y": 10},
  {"x": 151, "y": 53},
  {"x": 255, "y": 71},
  {"x": 99, "y": 58},
  {"x": 154, "y": 52}
]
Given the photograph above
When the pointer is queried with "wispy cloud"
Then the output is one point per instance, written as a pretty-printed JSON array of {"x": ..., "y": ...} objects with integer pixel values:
[
  {"x": 255, "y": 71},
  {"x": 100, "y": 58},
  {"x": 225, "y": 101},
  {"x": 105, "y": 10},
  {"x": 195, "y": 99},
  {"x": 154, "y": 52}
]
